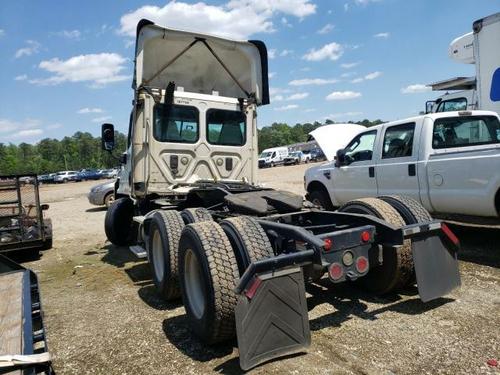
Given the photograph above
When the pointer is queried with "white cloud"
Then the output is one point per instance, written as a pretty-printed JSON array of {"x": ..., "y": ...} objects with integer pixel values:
[
  {"x": 277, "y": 98},
  {"x": 343, "y": 115},
  {"x": 2, "y": 33},
  {"x": 69, "y": 34},
  {"x": 416, "y": 88},
  {"x": 312, "y": 81},
  {"x": 28, "y": 133},
  {"x": 236, "y": 19},
  {"x": 89, "y": 110},
  {"x": 367, "y": 77},
  {"x": 271, "y": 53},
  {"x": 298, "y": 96},
  {"x": 348, "y": 74},
  {"x": 343, "y": 95},
  {"x": 349, "y": 65},
  {"x": 286, "y": 107},
  {"x": 326, "y": 29},
  {"x": 271, "y": 75},
  {"x": 310, "y": 110},
  {"x": 278, "y": 90},
  {"x": 286, "y": 52},
  {"x": 97, "y": 69},
  {"x": 365, "y": 2},
  {"x": 22, "y": 77},
  {"x": 32, "y": 47},
  {"x": 54, "y": 126},
  {"x": 382, "y": 35},
  {"x": 101, "y": 119},
  {"x": 331, "y": 51},
  {"x": 346, "y": 7}
]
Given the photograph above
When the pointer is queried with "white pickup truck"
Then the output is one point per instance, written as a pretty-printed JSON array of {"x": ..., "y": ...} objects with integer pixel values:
[{"x": 449, "y": 162}]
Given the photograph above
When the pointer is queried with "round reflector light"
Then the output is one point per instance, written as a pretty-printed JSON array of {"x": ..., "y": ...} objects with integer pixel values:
[
  {"x": 327, "y": 244},
  {"x": 348, "y": 258},
  {"x": 361, "y": 264},
  {"x": 365, "y": 236},
  {"x": 335, "y": 271}
]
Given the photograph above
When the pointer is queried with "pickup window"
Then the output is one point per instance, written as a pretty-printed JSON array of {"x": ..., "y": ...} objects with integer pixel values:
[
  {"x": 361, "y": 147},
  {"x": 398, "y": 141},
  {"x": 465, "y": 131},
  {"x": 457, "y": 104},
  {"x": 175, "y": 123},
  {"x": 226, "y": 127}
]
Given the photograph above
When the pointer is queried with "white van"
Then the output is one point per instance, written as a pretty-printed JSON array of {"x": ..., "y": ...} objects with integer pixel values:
[{"x": 272, "y": 156}]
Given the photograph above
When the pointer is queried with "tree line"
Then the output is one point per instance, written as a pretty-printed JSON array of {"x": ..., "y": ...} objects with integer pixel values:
[{"x": 82, "y": 150}]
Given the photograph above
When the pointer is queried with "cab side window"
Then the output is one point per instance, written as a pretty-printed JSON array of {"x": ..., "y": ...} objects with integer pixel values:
[
  {"x": 398, "y": 141},
  {"x": 361, "y": 147},
  {"x": 458, "y": 104}
]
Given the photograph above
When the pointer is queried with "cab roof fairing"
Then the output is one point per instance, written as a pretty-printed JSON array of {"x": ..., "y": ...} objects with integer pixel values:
[{"x": 197, "y": 69}]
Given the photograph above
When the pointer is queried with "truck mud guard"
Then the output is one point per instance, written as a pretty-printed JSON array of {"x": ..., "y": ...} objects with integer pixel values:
[
  {"x": 271, "y": 317},
  {"x": 434, "y": 249}
]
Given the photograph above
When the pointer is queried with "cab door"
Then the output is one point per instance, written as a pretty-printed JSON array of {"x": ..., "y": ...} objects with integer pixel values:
[
  {"x": 396, "y": 170},
  {"x": 355, "y": 178}
]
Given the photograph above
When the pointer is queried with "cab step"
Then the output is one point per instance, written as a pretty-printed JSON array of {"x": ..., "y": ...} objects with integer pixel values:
[{"x": 138, "y": 251}]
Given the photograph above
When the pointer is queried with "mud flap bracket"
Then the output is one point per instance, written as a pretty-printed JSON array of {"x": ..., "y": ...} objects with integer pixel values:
[
  {"x": 436, "y": 267},
  {"x": 272, "y": 320}
]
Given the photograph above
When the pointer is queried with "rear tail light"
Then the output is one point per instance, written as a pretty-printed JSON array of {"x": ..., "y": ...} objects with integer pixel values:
[
  {"x": 451, "y": 236},
  {"x": 366, "y": 236},
  {"x": 327, "y": 245},
  {"x": 335, "y": 271},
  {"x": 362, "y": 264}
]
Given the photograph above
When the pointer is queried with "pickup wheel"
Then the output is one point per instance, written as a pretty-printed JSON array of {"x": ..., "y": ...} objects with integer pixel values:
[
  {"x": 164, "y": 233},
  {"x": 195, "y": 215},
  {"x": 118, "y": 223},
  {"x": 321, "y": 198},
  {"x": 248, "y": 240},
  {"x": 396, "y": 270},
  {"x": 208, "y": 276}
]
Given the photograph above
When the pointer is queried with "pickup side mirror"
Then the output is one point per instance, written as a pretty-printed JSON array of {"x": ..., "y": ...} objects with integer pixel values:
[
  {"x": 108, "y": 137},
  {"x": 429, "y": 105},
  {"x": 340, "y": 158},
  {"x": 123, "y": 158}
]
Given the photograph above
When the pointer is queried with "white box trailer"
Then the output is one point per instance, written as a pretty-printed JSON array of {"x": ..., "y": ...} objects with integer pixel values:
[{"x": 479, "y": 47}]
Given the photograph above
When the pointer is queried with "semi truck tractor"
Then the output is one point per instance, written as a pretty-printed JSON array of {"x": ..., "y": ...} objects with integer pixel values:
[
  {"x": 239, "y": 254},
  {"x": 482, "y": 91}
]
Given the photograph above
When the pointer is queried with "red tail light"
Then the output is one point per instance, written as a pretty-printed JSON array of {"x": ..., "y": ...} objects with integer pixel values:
[
  {"x": 361, "y": 264},
  {"x": 450, "y": 234},
  {"x": 252, "y": 289},
  {"x": 327, "y": 244},
  {"x": 335, "y": 271},
  {"x": 366, "y": 236}
]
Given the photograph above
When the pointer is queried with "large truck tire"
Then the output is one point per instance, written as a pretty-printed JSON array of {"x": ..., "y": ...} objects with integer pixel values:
[
  {"x": 412, "y": 212},
  {"x": 208, "y": 276},
  {"x": 163, "y": 246},
  {"x": 248, "y": 240},
  {"x": 118, "y": 223},
  {"x": 195, "y": 215},
  {"x": 397, "y": 267}
]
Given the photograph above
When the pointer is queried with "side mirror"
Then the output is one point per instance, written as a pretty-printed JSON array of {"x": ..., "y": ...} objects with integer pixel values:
[
  {"x": 429, "y": 105},
  {"x": 108, "y": 137},
  {"x": 44, "y": 207},
  {"x": 123, "y": 158},
  {"x": 340, "y": 158}
]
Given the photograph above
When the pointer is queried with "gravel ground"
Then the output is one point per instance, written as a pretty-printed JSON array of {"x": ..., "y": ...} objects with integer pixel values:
[{"x": 103, "y": 316}]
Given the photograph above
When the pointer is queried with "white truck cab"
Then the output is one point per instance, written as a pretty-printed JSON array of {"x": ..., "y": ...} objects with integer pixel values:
[{"x": 449, "y": 161}]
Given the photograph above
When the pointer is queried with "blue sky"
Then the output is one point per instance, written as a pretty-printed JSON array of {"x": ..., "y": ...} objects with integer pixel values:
[{"x": 67, "y": 66}]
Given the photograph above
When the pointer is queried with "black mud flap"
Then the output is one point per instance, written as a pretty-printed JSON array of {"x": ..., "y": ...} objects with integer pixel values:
[
  {"x": 271, "y": 319},
  {"x": 436, "y": 267}
]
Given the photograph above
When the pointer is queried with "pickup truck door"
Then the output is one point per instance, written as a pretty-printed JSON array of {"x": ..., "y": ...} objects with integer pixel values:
[
  {"x": 356, "y": 178},
  {"x": 396, "y": 169}
]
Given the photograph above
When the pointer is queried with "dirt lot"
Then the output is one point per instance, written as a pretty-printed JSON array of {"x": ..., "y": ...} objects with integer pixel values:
[{"x": 103, "y": 316}]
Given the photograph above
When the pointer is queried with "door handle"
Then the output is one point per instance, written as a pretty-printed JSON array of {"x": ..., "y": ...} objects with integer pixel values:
[
  {"x": 412, "y": 171},
  {"x": 371, "y": 171}
]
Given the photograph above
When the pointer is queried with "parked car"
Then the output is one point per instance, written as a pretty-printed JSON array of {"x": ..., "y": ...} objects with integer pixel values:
[
  {"x": 66, "y": 176},
  {"x": 317, "y": 155},
  {"x": 110, "y": 173},
  {"x": 295, "y": 157},
  {"x": 89, "y": 174},
  {"x": 46, "y": 178},
  {"x": 102, "y": 194},
  {"x": 449, "y": 162}
]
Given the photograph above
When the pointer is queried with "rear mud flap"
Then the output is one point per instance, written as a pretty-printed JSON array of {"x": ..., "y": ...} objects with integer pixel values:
[
  {"x": 274, "y": 321},
  {"x": 436, "y": 267}
]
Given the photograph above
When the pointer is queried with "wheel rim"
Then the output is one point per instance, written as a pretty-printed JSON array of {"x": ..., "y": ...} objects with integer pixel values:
[
  {"x": 194, "y": 284},
  {"x": 110, "y": 199},
  {"x": 158, "y": 258}
]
